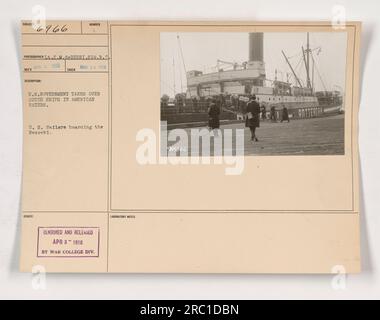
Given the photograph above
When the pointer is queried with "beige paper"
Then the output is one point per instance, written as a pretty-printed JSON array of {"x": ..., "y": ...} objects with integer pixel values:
[{"x": 91, "y": 88}]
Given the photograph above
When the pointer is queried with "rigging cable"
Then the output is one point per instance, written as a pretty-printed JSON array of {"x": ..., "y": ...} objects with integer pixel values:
[{"x": 318, "y": 73}]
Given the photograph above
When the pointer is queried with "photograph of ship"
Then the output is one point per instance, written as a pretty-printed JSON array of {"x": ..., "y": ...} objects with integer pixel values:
[{"x": 285, "y": 89}]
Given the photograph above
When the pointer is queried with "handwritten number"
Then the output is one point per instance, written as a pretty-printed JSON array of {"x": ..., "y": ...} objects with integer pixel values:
[{"x": 53, "y": 29}]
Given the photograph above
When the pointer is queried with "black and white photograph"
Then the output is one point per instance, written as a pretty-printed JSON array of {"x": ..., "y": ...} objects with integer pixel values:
[{"x": 283, "y": 91}]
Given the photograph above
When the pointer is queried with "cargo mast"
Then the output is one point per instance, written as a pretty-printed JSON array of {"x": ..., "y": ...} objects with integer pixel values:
[{"x": 308, "y": 62}]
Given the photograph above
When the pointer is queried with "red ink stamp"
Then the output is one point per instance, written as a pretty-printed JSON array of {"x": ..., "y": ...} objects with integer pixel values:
[{"x": 68, "y": 242}]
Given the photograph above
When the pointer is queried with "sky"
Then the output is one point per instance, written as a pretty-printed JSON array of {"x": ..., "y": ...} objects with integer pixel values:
[{"x": 202, "y": 49}]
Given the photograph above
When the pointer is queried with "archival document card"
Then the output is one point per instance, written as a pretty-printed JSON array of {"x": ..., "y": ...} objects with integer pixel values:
[{"x": 190, "y": 147}]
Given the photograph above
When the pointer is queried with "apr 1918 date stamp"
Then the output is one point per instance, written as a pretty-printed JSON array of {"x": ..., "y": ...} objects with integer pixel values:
[{"x": 68, "y": 242}]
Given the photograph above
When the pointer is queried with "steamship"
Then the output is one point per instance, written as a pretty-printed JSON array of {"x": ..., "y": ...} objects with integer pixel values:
[{"x": 242, "y": 80}]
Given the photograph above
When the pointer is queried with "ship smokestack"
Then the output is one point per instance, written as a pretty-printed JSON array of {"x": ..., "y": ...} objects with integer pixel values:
[
  {"x": 256, "y": 58},
  {"x": 256, "y": 46}
]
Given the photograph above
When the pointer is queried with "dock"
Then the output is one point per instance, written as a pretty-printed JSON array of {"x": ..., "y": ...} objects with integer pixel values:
[{"x": 315, "y": 136}]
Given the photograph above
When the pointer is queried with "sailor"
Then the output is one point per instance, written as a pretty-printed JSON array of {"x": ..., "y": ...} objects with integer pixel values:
[
  {"x": 263, "y": 112},
  {"x": 195, "y": 104},
  {"x": 253, "y": 116},
  {"x": 213, "y": 113},
  {"x": 285, "y": 114},
  {"x": 273, "y": 116}
]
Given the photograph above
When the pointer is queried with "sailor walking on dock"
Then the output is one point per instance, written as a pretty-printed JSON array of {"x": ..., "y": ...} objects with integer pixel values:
[
  {"x": 285, "y": 114},
  {"x": 214, "y": 113},
  {"x": 253, "y": 116}
]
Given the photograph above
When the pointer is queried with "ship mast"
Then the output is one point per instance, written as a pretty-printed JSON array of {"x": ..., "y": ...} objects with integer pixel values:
[
  {"x": 183, "y": 60},
  {"x": 291, "y": 68},
  {"x": 173, "y": 78},
  {"x": 308, "y": 62},
  {"x": 312, "y": 73}
]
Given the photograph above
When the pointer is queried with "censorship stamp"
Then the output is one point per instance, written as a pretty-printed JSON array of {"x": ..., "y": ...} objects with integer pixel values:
[{"x": 68, "y": 242}]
